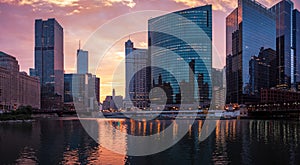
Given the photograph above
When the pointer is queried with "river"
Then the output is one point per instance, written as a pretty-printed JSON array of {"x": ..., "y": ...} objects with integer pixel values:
[{"x": 65, "y": 141}]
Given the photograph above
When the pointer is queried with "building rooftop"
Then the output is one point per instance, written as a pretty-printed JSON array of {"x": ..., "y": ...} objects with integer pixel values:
[{"x": 3, "y": 54}]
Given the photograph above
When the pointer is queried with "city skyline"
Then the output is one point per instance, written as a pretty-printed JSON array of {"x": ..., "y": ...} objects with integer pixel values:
[{"x": 74, "y": 33}]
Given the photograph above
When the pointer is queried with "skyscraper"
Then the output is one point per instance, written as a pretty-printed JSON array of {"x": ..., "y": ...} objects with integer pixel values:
[
  {"x": 186, "y": 34},
  {"x": 49, "y": 62},
  {"x": 136, "y": 75},
  {"x": 248, "y": 28},
  {"x": 82, "y": 61},
  {"x": 284, "y": 42},
  {"x": 296, "y": 39}
]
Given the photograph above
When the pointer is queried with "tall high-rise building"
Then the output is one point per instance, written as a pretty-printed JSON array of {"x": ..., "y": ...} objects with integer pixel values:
[
  {"x": 136, "y": 76},
  {"x": 186, "y": 34},
  {"x": 49, "y": 62},
  {"x": 284, "y": 43},
  {"x": 248, "y": 28},
  {"x": 296, "y": 39},
  {"x": 82, "y": 61}
]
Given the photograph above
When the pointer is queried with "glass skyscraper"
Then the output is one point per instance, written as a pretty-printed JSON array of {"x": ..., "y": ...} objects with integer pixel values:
[
  {"x": 296, "y": 39},
  {"x": 82, "y": 61},
  {"x": 249, "y": 27},
  {"x": 284, "y": 43},
  {"x": 182, "y": 37},
  {"x": 49, "y": 62}
]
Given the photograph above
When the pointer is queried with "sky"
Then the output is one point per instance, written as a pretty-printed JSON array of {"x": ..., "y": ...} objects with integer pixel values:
[{"x": 81, "y": 18}]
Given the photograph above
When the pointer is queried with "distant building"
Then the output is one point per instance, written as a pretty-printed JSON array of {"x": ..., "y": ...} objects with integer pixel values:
[
  {"x": 219, "y": 88},
  {"x": 168, "y": 35},
  {"x": 82, "y": 61},
  {"x": 81, "y": 91},
  {"x": 136, "y": 76},
  {"x": 49, "y": 62},
  {"x": 248, "y": 28},
  {"x": 113, "y": 103},
  {"x": 17, "y": 88}
]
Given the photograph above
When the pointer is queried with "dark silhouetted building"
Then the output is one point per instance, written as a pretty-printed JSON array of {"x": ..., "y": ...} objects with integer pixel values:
[
  {"x": 248, "y": 28},
  {"x": 284, "y": 43},
  {"x": 113, "y": 103},
  {"x": 279, "y": 96},
  {"x": 296, "y": 39},
  {"x": 262, "y": 71},
  {"x": 49, "y": 62}
]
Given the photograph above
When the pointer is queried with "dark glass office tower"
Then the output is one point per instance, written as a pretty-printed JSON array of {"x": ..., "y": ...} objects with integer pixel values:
[
  {"x": 284, "y": 42},
  {"x": 248, "y": 28},
  {"x": 186, "y": 34},
  {"x": 296, "y": 39},
  {"x": 49, "y": 62}
]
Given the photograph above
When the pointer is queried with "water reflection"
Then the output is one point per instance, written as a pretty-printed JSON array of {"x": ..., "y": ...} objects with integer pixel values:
[{"x": 233, "y": 141}]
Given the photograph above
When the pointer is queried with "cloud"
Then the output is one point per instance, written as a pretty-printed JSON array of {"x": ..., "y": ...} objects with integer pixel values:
[
  {"x": 69, "y": 3},
  {"x": 129, "y": 3},
  {"x": 143, "y": 44},
  {"x": 73, "y": 12},
  {"x": 221, "y": 5},
  {"x": 61, "y": 3}
]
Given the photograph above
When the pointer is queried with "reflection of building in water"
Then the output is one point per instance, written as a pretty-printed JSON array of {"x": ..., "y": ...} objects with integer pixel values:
[
  {"x": 137, "y": 76},
  {"x": 113, "y": 102},
  {"x": 112, "y": 141},
  {"x": 81, "y": 91}
]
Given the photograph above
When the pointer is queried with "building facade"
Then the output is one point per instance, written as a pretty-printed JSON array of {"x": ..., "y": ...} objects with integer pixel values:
[
  {"x": 17, "y": 88},
  {"x": 82, "y": 61},
  {"x": 262, "y": 71},
  {"x": 284, "y": 43},
  {"x": 81, "y": 91},
  {"x": 136, "y": 61},
  {"x": 49, "y": 62},
  {"x": 296, "y": 39},
  {"x": 114, "y": 103},
  {"x": 248, "y": 28},
  {"x": 181, "y": 43}
]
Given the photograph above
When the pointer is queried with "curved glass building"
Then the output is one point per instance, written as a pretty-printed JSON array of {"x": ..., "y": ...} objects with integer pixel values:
[{"x": 180, "y": 49}]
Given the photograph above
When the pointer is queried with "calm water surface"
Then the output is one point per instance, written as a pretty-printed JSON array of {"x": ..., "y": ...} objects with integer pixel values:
[{"x": 64, "y": 141}]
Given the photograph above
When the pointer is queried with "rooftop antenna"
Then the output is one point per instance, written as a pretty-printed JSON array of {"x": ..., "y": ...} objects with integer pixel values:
[{"x": 79, "y": 44}]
